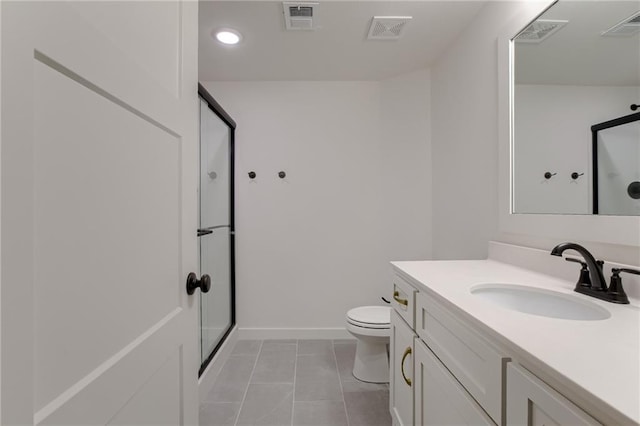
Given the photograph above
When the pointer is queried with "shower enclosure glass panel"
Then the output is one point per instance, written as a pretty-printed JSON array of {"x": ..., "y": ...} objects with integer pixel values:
[{"x": 215, "y": 233}]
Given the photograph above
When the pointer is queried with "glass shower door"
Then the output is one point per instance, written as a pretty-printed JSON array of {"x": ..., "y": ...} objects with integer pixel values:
[{"x": 215, "y": 230}]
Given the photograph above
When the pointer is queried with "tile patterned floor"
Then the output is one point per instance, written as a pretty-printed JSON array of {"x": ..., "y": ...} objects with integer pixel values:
[{"x": 294, "y": 382}]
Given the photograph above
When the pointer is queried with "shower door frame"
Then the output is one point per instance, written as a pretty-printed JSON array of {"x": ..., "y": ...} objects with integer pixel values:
[
  {"x": 226, "y": 118},
  {"x": 594, "y": 150}
]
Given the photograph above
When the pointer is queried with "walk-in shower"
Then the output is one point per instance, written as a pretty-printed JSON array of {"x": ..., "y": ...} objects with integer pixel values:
[{"x": 216, "y": 225}]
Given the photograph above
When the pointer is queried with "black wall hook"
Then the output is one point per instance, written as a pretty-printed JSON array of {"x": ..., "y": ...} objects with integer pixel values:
[
  {"x": 549, "y": 175},
  {"x": 634, "y": 107},
  {"x": 282, "y": 175},
  {"x": 252, "y": 175},
  {"x": 576, "y": 175}
]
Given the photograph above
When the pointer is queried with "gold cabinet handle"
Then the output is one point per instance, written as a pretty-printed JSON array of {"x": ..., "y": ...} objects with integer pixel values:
[
  {"x": 396, "y": 297},
  {"x": 407, "y": 352}
]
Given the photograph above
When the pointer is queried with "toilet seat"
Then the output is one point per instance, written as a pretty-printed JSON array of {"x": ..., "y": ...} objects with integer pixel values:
[{"x": 375, "y": 317}]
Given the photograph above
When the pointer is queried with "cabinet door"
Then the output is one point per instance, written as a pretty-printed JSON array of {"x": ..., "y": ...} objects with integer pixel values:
[
  {"x": 472, "y": 360},
  {"x": 438, "y": 397},
  {"x": 531, "y": 402},
  {"x": 401, "y": 374}
]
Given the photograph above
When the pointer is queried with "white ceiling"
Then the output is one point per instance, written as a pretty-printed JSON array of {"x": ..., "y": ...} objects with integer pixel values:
[
  {"x": 338, "y": 50},
  {"x": 577, "y": 54}
]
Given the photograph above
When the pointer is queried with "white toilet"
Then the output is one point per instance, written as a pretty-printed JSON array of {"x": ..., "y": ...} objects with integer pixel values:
[{"x": 371, "y": 325}]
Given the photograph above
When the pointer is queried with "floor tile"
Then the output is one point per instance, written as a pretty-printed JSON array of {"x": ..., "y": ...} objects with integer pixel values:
[
  {"x": 289, "y": 347},
  {"x": 231, "y": 383},
  {"x": 344, "y": 341},
  {"x": 359, "y": 386},
  {"x": 366, "y": 408},
  {"x": 316, "y": 367},
  {"x": 319, "y": 413},
  {"x": 246, "y": 347},
  {"x": 219, "y": 413},
  {"x": 318, "y": 390},
  {"x": 267, "y": 404},
  {"x": 315, "y": 347},
  {"x": 345, "y": 354},
  {"x": 275, "y": 367}
]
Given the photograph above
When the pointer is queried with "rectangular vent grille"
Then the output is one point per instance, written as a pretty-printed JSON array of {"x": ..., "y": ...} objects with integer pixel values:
[
  {"x": 387, "y": 27},
  {"x": 299, "y": 15},
  {"x": 627, "y": 27},
  {"x": 299, "y": 11},
  {"x": 539, "y": 30}
]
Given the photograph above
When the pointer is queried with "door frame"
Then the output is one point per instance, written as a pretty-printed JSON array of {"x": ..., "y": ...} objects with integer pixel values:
[{"x": 226, "y": 118}]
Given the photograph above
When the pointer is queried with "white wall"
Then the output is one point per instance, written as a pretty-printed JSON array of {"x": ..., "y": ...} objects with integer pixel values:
[
  {"x": 562, "y": 145},
  {"x": 464, "y": 139},
  {"x": 356, "y": 195}
]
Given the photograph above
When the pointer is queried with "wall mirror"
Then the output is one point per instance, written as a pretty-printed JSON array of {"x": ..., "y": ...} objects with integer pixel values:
[{"x": 576, "y": 110}]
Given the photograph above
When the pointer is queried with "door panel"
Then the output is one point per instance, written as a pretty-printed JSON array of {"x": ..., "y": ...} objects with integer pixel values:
[
  {"x": 401, "y": 371},
  {"x": 95, "y": 235},
  {"x": 166, "y": 379},
  {"x": 215, "y": 185},
  {"x": 154, "y": 49},
  {"x": 101, "y": 394},
  {"x": 439, "y": 398},
  {"x": 531, "y": 402},
  {"x": 216, "y": 304},
  {"x": 99, "y": 213}
]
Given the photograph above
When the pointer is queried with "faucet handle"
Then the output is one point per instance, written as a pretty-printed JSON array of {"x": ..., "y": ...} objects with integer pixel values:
[
  {"x": 627, "y": 270},
  {"x": 616, "y": 291},
  {"x": 584, "y": 280}
]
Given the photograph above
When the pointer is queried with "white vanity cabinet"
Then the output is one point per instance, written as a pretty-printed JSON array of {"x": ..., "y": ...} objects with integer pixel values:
[
  {"x": 531, "y": 402},
  {"x": 445, "y": 370}
]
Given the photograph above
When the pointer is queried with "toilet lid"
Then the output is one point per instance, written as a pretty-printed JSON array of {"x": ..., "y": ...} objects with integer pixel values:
[{"x": 370, "y": 316}]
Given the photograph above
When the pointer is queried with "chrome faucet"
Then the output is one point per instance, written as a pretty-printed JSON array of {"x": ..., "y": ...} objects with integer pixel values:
[{"x": 598, "y": 282}]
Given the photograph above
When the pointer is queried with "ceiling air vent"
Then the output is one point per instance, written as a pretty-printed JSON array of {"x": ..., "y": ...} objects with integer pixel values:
[
  {"x": 627, "y": 27},
  {"x": 387, "y": 27},
  {"x": 299, "y": 16},
  {"x": 540, "y": 30}
]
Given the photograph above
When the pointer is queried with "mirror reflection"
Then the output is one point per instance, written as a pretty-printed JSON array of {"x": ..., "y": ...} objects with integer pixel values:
[{"x": 576, "y": 134}]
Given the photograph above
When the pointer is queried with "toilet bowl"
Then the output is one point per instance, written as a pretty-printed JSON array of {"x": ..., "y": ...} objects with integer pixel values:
[{"x": 371, "y": 325}]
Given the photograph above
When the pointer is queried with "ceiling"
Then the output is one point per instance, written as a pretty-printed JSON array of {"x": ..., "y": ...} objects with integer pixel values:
[
  {"x": 337, "y": 50},
  {"x": 577, "y": 54}
]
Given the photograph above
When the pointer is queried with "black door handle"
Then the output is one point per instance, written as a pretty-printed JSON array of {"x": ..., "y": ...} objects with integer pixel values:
[{"x": 204, "y": 283}]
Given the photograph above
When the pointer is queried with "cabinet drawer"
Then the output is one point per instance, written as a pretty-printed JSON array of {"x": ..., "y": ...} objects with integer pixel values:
[
  {"x": 439, "y": 398},
  {"x": 403, "y": 300},
  {"x": 531, "y": 402},
  {"x": 471, "y": 359}
]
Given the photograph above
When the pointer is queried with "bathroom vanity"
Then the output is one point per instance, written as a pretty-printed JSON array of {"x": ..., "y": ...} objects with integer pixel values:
[{"x": 464, "y": 353}]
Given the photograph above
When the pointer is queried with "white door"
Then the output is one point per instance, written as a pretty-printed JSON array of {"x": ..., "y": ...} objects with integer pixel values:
[{"x": 99, "y": 125}]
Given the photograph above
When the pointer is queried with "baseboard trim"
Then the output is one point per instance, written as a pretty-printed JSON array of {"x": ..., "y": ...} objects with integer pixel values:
[
  {"x": 208, "y": 377},
  {"x": 293, "y": 333}
]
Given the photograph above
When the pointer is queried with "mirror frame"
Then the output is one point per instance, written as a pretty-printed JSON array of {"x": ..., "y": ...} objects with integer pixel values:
[{"x": 619, "y": 230}]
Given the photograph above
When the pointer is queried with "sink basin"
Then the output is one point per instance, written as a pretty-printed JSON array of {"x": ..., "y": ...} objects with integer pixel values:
[{"x": 544, "y": 303}]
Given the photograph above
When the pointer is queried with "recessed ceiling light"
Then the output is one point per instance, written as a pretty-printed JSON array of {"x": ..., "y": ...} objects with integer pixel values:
[{"x": 227, "y": 36}]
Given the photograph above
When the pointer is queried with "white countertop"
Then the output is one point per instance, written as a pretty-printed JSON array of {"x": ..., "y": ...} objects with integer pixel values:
[{"x": 594, "y": 363}]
